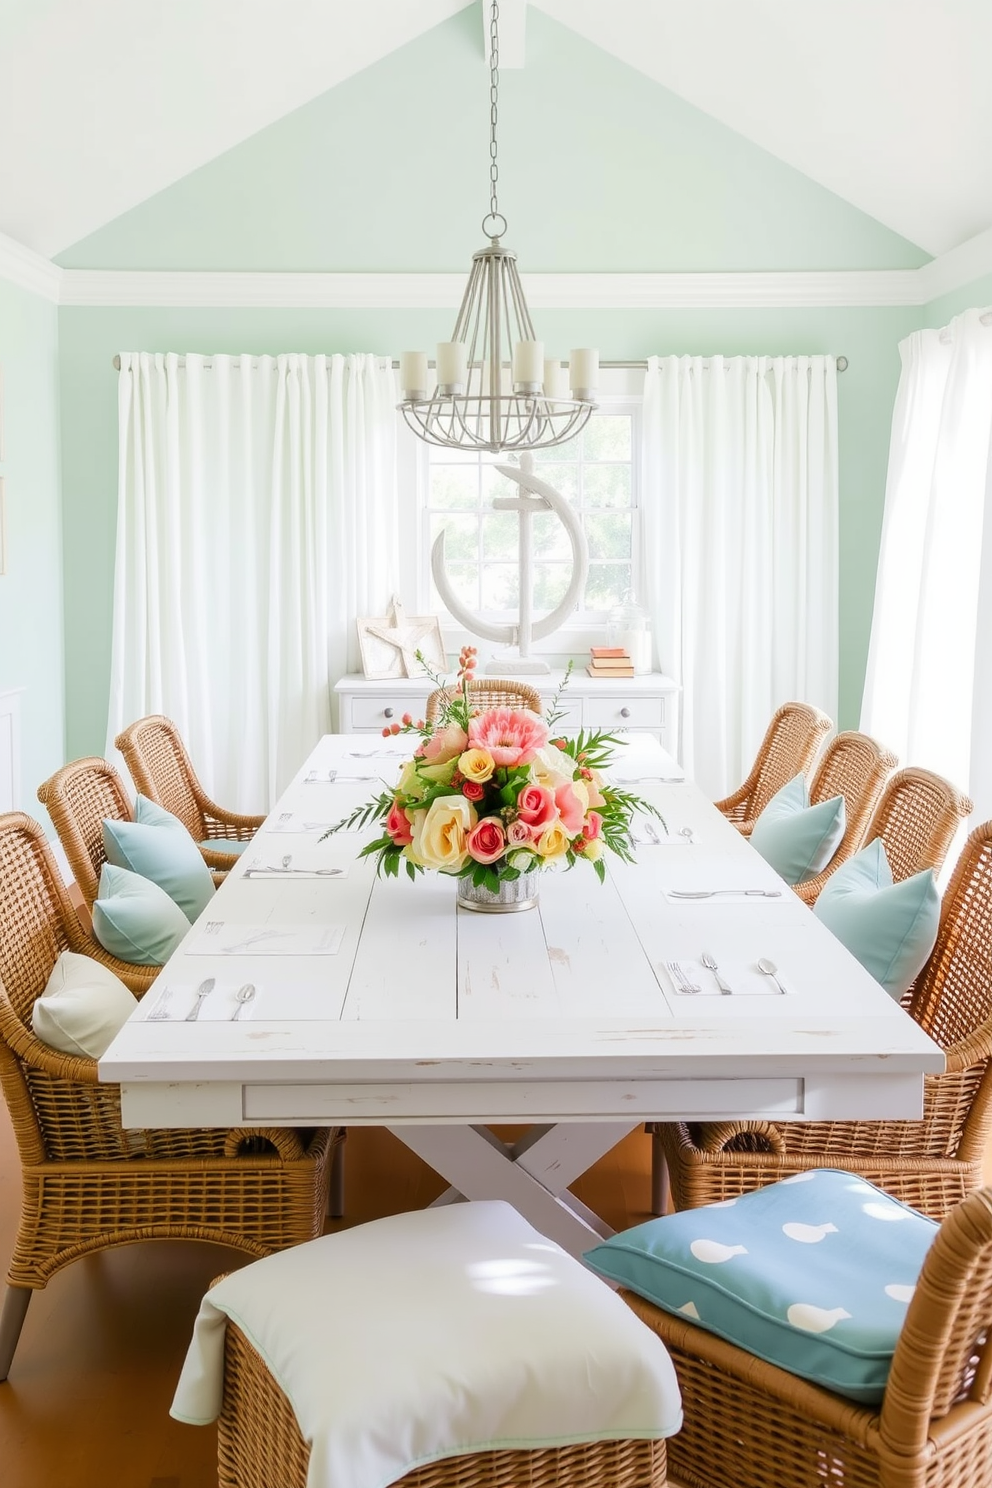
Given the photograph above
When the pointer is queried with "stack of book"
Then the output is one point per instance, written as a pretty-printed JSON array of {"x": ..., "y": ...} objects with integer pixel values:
[{"x": 609, "y": 661}]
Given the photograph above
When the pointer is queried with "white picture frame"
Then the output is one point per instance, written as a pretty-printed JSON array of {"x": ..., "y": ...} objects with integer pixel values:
[{"x": 388, "y": 643}]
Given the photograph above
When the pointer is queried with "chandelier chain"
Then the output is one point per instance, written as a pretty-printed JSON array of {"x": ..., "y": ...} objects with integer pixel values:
[{"x": 494, "y": 212}]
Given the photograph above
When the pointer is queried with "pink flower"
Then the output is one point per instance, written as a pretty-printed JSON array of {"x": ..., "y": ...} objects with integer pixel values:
[
  {"x": 519, "y": 834},
  {"x": 512, "y": 736},
  {"x": 446, "y": 744},
  {"x": 487, "y": 841},
  {"x": 472, "y": 791},
  {"x": 572, "y": 806},
  {"x": 592, "y": 826},
  {"x": 536, "y": 806},
  {"x": 398, "y": 825}
]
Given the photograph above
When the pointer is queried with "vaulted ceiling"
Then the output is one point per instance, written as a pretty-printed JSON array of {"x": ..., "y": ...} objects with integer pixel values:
[{"x": 103, "y": 103}]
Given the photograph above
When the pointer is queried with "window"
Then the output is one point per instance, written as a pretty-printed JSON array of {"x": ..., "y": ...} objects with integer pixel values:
[{"x": 594, "y": 471}]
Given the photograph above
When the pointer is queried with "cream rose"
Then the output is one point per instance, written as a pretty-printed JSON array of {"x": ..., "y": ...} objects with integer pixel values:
[
  {"x": 593, "y": 849},
  {"x": 553, "y": 843},
  {"x": 552, "y": 768},
  {"x": 477, "y": 765},
  {"x": 440, "y": 833}
]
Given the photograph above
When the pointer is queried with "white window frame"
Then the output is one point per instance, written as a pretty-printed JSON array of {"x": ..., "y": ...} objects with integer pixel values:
[{"x": 621, "y": 391}]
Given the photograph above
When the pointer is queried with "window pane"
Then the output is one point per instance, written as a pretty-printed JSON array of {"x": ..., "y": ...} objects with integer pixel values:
[
  {"x": 567, "y": 451},
  {"x": 550, "y": 537},
  {"x": 564, "y": 477},
  {"x": 551, "y": 580},
  {"x": 500, "y": 532},
  {"x": 454, "y": 487},
  {"x": 609, "y": 535},
  {"x": 461, "y": 536},
  {"x": 464, "y": 581},
  {"x": 608, "y": 585},
  {"x": 500, "y": 586},
  {"x": 606, "y": 486},
  {"x": 607, "y": 437}
]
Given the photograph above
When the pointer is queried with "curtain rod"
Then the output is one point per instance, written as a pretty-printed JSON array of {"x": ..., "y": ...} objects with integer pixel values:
[{"x": 641, "y": 366}]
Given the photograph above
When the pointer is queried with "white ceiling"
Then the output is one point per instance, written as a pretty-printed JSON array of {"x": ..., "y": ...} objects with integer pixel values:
[{"x": 105, "y": 102}]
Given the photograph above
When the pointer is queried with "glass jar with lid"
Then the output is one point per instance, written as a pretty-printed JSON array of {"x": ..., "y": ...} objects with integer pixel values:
[{"x": 629, "y": 626}]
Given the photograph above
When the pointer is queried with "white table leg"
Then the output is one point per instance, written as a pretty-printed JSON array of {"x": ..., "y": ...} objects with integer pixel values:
[{"x": 533, "y": 1174}]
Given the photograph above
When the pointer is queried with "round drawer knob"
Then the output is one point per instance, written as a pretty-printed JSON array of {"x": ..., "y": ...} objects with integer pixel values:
[
  {"x": 624, "y": 712},
  {"x": 387, "y": 712}
]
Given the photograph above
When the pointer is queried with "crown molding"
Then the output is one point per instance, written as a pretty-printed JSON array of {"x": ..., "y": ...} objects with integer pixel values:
[
  {"x": 202, "y": 290},
  {"x": 28, "y": 270},
  {"x": 956, "y": 268}
]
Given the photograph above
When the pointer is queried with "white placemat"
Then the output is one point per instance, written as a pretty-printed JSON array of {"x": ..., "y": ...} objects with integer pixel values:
[
  {"x": 745, "y": 979},
  {"x": 220, "y": 938}
]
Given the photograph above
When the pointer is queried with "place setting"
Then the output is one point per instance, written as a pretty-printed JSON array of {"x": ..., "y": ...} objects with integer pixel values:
[
  {"x": 704, "y": 976},
  {"x": 212, "y": 1000},
  {"x": 226, "y": 938},
  {"x": 304, "y": 865}
]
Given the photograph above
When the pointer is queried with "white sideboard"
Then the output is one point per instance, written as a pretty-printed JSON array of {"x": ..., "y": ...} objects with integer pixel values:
[{"x": 647, "y": 704}]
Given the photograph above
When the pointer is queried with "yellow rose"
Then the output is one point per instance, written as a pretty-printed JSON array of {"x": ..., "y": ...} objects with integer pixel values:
[
  {"x": 439, "y": 833},
  {"x": 416, "y": 826},
  {"x": 553, "y": 842},
  {"x": 477, "y": 765},
  {"x": 593, "y": 850}
]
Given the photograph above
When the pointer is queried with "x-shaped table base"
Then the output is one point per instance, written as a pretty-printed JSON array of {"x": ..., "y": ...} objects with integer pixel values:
[{"x": 532, "y": 1174}]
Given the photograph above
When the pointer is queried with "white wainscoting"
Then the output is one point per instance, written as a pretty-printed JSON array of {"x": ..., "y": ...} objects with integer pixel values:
[{"x": 10, "y": 749}]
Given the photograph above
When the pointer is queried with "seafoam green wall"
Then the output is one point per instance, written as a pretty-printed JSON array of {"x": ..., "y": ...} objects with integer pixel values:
[
  {"x": 31, "y": 631},
  {"x": 602, "y": 170},
  {"x": 974, "y": 296}
]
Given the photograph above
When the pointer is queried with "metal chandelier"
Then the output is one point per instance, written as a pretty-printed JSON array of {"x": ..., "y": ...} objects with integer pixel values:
[{"x": 494, "y": 390}]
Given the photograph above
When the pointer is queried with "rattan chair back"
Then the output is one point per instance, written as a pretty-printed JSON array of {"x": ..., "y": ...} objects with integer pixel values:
[
  {"x": 749, "y": 1422},
  {"x": 78, "y": 798},
  {"x": 87, "y": 1183},
  {"x": 161, "y": 769},
  {"x": 791, "y": 743},
  {"x": 917, "y": 817},
  {"x": 488, "y": 692},
  {"x": 856, "y": 767}
]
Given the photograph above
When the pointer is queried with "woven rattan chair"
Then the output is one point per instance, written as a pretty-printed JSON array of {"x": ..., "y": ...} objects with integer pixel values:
[
  {"x": 917, "y": 817},
  {"x": 930, "y": 1164},
  {"x": 161, "y": 770},
  {"x": 87, "y": 1184},
  {"x": 749, "y": 1424},
  {"x": 854, "y": 766},
  {"x": 78, "y": 798},
  {"x": 788, "y": 749},
  {"x": 489, "y": 692},
  {"x": 259, "y": 1445}
]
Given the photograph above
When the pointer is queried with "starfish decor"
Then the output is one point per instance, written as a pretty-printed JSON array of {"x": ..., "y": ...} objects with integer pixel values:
[{"x": 389, "y": 642}]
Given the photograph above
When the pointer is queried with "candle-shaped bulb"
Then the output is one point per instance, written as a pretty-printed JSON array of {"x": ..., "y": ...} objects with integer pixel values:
[
  {"x": 553, "y": 380},
  {"x": 528, "y": 364},
  {"x": 452, "y": 364},
  {"x": 583, "y": 372},
  {"x": 413, "y": 374}
]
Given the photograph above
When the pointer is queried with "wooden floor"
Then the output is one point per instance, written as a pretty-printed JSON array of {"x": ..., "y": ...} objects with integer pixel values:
[{"x": 86, "y": 1404}]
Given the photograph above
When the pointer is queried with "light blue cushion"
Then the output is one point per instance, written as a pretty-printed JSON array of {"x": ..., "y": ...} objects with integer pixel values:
[
  {"x": 159, "y": 847},
  {"x": 136, "y": 920},
  {"x": 891, "y": 928},
  {"x": 225, "y": 845},
  {"x": 798, "y": 839},
  {"x": 813, "y": 1274}
]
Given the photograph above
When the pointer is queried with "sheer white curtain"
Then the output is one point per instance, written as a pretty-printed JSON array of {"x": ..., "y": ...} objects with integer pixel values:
[
  {"x": 739, "y": 513},
  {"x": 928, "y": 686},
  {"x": 256, "y": 519}
]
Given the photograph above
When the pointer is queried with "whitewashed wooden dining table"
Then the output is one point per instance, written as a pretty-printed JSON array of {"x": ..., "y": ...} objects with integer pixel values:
[{"x": 377, "y": 1002}]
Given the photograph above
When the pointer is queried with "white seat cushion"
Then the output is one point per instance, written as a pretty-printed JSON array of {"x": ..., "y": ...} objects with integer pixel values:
[{"x": 434, "y": 1334}]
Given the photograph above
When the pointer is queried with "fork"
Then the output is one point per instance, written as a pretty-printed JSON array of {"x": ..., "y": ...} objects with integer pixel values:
[
  {"x": 161, "y": 1009},
  {"x": 202, "y": 991},
  {"x": 243, "y": 995},
  {"x": 726, "y": 990},
  {"x": 683, "y": 982}
]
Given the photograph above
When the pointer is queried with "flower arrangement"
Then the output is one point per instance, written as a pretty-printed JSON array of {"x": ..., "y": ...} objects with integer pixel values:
[{"x": 490, "y": 795}]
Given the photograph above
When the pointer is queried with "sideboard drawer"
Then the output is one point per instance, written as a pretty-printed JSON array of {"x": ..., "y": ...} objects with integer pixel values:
[
  {"x": 378, "y": 710},
  {"x": 624, "y": 712}
]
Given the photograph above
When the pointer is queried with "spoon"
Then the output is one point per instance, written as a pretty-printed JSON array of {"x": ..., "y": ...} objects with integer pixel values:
[
  {"x": 243, "y": 995},
  {"x": 686, "y": 832},
  {"x": 769, "y": 968}
]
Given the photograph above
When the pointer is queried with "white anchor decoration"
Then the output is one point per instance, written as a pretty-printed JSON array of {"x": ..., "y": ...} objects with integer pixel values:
[{"x": 535, "y": 496}]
